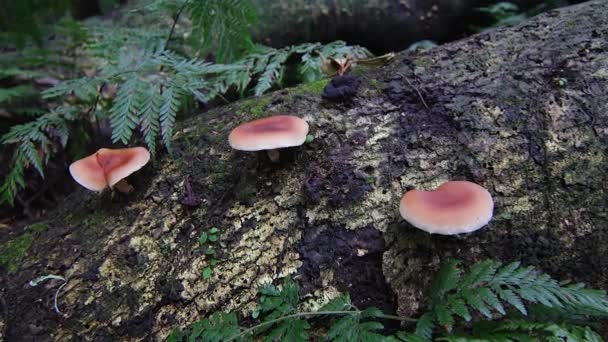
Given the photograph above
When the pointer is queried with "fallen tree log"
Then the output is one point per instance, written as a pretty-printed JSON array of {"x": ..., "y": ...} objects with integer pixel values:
[
  {"x": 379, "y": 25},
  {"x": 522, "y": 111}
]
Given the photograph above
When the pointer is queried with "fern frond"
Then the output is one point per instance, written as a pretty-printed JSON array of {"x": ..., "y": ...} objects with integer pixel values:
[
  {"x": 357, "y": 327},
  {"x": 488, "y": 284},
  {"x": 516, "y": 330},
  {"x": 84, "y": 88},
  {"x": 168, "y": 111},
  {"x": 149, "y": 107},
  {"x": 34, "y": 146},
  {"x": 16, "y": 92},
  {"x": 223, "y": 26},
  {"x": 14, "y": 181},
  {"x": 123, "y": 119}
]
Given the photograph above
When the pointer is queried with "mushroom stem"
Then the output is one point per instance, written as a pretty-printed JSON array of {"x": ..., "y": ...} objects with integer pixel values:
[
  {"x": 124, "y": 187},
  {"x": 273, "y": 155}
]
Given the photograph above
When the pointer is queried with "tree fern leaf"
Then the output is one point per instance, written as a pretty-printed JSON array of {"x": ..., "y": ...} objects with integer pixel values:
[
  {"x": 28, "y": 150},
  {"x": 458, "y": 306},
  {"x": 123, "y": 118},
  {"x": 425, "y": 326},
  {"x": 168, "y": 112},
  {"x": 444, "y": 316},
  {"x": 472, "y": 298},
  {"x": 444, "y": 280},
  {"x": 491, "y": 299},
  {"x": 290, "y": 331},
  {"x": 482, "y": 271},
  {"x": 149, "y": 108},
  {"x": 13, "y": 181},
  {"x": 510, "y": 297},
  {"x": 340, "y": 303}
]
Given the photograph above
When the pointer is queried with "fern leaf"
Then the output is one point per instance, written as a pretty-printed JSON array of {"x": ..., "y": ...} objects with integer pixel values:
[
  {"x": 13, "y": 181},
  {"x": 219, "y": 327},
  {"x": 289, "y": 330},
  {"x": 168, "y": 112},
  {"x": 350, "y": 328},
  {"x": 149, "y": 107},
  {"x": 510, "y": 297},
  {"x": 425, "y": 326},
  {"x": 272, "y": 72},
  {"x": 123, "y": 119},
  {"x": 444, "y": 280},
  {"x": 17, "y": 92},
  {"x": 224, "y": 26},
  {"x": 339, "y": 303}
]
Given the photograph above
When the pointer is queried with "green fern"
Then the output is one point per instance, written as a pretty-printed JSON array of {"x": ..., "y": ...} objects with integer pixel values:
[
  {"x": 489, "y": 286},
  {"x": 223, "y": 26},
  {"x": 516, "y": 330},
  {"x": 34, "y": 145}
]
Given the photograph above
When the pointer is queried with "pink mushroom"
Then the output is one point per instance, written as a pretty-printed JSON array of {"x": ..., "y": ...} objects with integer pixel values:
[
  {"x": 109, "y": 168},
  {"x": 453, "y": 208},
  {"x": 269, "y": 134}
]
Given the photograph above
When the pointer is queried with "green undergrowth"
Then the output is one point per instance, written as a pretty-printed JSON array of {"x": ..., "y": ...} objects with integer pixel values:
[
  {"x": 255, "y": 107},
  {"x": 13, "y": 251},
  {"x": 486, "y": 302},
  {"x": 312, "y": 88}
]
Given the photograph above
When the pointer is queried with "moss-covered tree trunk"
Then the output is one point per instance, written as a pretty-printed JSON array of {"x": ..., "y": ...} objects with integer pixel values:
[
  {"x": 522, "y": 111},
  {"x": 380, "y": 25}
]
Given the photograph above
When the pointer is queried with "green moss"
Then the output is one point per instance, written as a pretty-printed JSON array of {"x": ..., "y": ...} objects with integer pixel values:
[
  {"x": 14, "y": 250},
  {"x": 376, "y": 84},
  {"x": 313, "y": 88},
  {"x": 255, "y": 107},
  {"x": 37, "y": 227}
]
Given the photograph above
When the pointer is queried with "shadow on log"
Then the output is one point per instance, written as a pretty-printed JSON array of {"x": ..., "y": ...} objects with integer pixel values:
[
  {"x": 379, "y": 25},
  {"x": 522, "y": 111}
]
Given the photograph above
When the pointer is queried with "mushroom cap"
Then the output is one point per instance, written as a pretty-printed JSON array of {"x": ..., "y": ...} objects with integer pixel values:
[
  {"x": 269, "y": 133},
  {"x": 107, "y": 167},
  {"x": 453, "y": 208}
]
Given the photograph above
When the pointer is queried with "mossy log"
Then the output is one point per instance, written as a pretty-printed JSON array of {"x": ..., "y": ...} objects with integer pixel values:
[
  {"x": 522, "y": 111},
  {"x": 380, "y": 25}
]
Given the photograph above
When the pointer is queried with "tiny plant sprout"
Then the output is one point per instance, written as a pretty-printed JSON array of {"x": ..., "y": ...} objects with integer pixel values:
[
  {"x": 269, "y": 134},
  {"x": 109, "y": 168},
  {"x": 453, "y": 208},
  {"x": 309, "y": 138}
]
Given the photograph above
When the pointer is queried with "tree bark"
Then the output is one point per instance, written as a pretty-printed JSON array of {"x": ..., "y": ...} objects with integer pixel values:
[
  {"x": 522, "y": 111},
  {"x": 380, "y": 25}
]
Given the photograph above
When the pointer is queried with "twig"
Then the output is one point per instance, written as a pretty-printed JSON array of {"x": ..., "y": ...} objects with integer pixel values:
[
  {"x": 416, "y": 89},
  {"x": 175, "y": 18}
]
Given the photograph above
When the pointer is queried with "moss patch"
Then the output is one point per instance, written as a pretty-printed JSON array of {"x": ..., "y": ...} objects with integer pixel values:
[
  {"x": 256, "y": 106},
  {"x": 313, "y": 88},
  {"x": 14, "y": 250},
  {"x": 37, "y": 227}
]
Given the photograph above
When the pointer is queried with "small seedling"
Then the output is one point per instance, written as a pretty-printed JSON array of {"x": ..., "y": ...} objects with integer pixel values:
[{"x": 205, "y": 239}]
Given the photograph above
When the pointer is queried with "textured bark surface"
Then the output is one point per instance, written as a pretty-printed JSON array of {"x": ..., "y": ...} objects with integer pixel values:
[
  {"x": 522, "y": 111},
  {"x": 380, "y": 25}
]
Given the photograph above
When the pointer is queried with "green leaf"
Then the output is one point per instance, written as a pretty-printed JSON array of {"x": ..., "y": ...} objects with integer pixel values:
[
  {"x": 213, "y": 230},
  {"x": 213, "y": 238},
  {"x": 122, "y": 118},
  {"x": 340, "y": 303},
  {"x": 202, "y": 238},
  {"x": 425, "y": 326},
  {"x": 168, "y": 111},
  {"x": 207, "y": 272},
  {"x": 289, "y": 331}
]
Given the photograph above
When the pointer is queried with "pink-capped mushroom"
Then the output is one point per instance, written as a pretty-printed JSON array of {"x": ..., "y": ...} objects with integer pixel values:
[
  {"x": 455, "y": 207},
  {"x": 269, "y": 134},
  {"x": 109, "y": 168}
]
